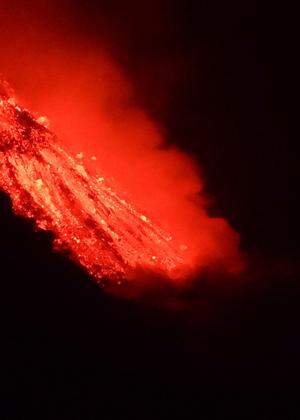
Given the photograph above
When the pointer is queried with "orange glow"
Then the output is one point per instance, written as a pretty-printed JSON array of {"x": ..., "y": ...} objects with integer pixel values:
[
  {"x": 110, "y": 161},
  {"x": 101, "y": 230}
]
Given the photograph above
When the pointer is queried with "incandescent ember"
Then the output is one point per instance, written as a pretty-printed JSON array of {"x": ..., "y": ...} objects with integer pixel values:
[{"x": 100, "y": 230}]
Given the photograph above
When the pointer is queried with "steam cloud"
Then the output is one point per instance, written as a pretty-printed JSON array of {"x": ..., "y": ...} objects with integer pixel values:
[{"x": 92, "y": 105}]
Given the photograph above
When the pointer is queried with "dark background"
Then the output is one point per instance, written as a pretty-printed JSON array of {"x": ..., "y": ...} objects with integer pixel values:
[{"x": 220, "y": 77}]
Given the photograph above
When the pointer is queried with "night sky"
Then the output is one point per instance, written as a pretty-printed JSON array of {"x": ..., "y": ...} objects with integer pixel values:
[{"x": 220, "y": 78}]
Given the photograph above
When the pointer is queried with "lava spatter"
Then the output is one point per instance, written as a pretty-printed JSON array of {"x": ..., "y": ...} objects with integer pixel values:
[{"x": 101, "y": 230}]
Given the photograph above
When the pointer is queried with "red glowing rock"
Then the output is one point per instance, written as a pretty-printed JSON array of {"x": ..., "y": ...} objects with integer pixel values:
[{"x": 102, "y": 231}]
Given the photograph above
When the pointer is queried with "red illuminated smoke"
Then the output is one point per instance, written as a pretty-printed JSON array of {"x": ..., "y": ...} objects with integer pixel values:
[{"x": 93, "y": 109}]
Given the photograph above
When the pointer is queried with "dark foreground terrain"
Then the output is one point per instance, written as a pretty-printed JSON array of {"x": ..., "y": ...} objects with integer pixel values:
[{"x": 70, "y": 348}]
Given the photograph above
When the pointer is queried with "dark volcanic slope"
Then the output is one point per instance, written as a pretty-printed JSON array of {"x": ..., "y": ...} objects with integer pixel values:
[{"x": 68, "y": 343}]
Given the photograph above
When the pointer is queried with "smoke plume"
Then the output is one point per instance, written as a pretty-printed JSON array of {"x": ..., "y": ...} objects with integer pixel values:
[{"x": 92, "y": 105}]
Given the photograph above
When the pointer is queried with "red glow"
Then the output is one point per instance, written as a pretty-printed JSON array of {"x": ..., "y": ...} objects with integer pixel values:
[
  {"x": 92, "y": 108},
  {"x": 103, "y": 232}
]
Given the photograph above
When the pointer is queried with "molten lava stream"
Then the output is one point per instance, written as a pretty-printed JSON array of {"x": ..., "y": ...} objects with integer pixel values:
[{"x": 102, "y": 231}]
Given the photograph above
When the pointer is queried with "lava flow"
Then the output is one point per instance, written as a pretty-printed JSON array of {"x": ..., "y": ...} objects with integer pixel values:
[{"x": 100, "y": 230}]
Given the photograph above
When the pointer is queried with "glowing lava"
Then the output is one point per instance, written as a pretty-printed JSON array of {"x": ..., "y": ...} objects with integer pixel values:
[{"x": 102, "y": 231}]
